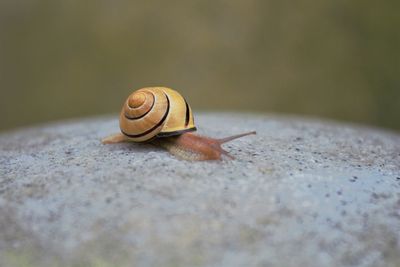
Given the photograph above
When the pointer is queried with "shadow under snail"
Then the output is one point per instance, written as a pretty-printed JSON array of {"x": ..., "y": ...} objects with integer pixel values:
[{"x": 161, "y": 116}]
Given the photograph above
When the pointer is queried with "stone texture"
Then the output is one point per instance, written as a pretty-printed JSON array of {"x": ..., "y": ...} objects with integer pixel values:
[{"x": 302, "y": 192}]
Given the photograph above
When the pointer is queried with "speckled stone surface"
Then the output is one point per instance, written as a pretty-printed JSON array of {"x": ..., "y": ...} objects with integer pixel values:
[{"x": 301, "y": 192}]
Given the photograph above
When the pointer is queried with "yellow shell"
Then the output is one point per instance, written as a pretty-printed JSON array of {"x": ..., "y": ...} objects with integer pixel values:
[{"x": 155, "y": 111}]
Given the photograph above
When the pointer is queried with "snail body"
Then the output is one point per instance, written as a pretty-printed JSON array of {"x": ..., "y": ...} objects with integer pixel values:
[
  {"x": 190, "y": 146},
  {"x": 161, "y": 116}
]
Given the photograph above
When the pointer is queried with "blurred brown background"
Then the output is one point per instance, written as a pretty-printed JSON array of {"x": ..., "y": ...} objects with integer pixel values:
[{"x": 338, "y": 59}]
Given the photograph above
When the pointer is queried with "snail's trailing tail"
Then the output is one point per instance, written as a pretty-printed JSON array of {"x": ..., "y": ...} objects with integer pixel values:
[
  {"x": 233, "y": 137},
  {"x": 115, "y": 138}
]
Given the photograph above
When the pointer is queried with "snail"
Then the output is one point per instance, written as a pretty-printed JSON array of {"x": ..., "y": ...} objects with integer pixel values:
[{"x": 161, "y": 116}]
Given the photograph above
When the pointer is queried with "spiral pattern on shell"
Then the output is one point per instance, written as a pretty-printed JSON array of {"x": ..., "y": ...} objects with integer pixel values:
[{"x": 155, "y": 111}]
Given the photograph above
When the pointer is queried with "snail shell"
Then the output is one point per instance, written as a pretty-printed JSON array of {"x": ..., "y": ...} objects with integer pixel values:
[{"x": 155, "y": 112}]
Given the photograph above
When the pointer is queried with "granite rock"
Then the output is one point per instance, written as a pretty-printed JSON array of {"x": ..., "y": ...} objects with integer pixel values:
[{"x": 302, "y": 192}]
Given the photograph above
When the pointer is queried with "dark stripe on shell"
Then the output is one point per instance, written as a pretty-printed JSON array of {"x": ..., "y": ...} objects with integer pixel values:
[
  {"x": 141, "y": 116},
  {"x": 187, "y": 118},
  {"x": 176, "y": 132},
  {"x": 155, "y": 127}
]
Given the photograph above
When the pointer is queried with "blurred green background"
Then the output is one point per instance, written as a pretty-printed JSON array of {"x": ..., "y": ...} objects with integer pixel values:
[{"x": 336, "y": 59}]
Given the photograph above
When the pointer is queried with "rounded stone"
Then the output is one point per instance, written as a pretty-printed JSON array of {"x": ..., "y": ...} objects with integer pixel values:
[{"x": 302, "y": 192}]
